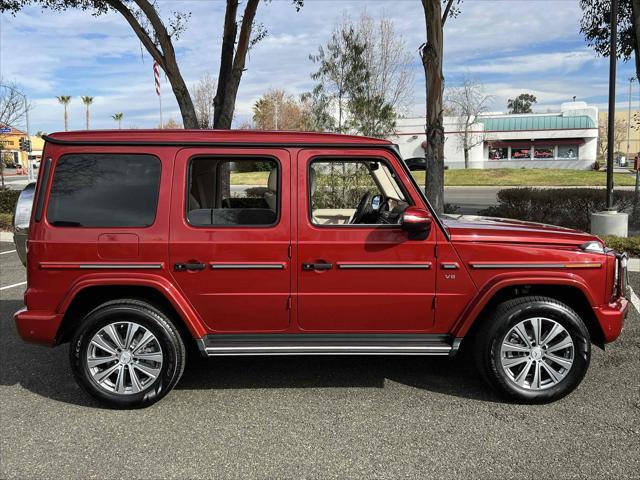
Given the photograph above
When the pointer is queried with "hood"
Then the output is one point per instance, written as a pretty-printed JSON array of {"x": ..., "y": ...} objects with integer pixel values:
[{"x": 471, "y": 228}]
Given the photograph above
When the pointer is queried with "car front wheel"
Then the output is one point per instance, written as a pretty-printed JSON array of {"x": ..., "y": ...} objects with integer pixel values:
[
  {"x": 534, "y": 349},
  {"x": 127, "y": 354}
]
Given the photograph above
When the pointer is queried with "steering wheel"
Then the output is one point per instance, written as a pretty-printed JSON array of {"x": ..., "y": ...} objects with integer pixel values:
[{"x": 364, "y": 207}]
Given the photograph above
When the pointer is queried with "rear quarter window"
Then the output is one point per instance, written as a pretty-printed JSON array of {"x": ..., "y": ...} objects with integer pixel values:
[{"x": 104, "y": 190}]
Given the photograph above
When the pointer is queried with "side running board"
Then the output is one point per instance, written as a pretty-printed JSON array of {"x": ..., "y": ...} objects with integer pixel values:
[{"x": 327, "y": 344}]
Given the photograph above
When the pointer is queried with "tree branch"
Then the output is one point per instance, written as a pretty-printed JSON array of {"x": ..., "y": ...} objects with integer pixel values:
[
  {"x": 138, "y": 30},
  {"x": 244, "y": 39},
  {"x": 159, "y": 29},
  {"x": 447, "y": 9}
]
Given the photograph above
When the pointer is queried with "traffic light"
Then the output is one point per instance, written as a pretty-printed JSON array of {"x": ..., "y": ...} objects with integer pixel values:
[{"x": 25, "y": 145}]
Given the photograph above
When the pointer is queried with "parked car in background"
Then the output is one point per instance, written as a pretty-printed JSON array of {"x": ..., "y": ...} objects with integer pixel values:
[
  {"x": 416, "y": 163},
  {"x": 143, "y": 242}
]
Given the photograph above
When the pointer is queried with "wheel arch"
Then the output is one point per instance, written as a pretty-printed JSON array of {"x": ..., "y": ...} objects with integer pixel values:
[
  {"x": 89, "y": 294},
  {"x": 570, "y": 291}
]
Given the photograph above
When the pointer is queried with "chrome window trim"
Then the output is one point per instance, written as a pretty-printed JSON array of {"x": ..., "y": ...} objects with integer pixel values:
[{"x": 384, "y": 266}]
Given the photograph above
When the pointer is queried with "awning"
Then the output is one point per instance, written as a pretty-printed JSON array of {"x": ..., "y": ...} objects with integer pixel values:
[{"x": 536, "y": 143}]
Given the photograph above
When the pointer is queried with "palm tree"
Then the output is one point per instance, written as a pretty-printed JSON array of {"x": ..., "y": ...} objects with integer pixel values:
[
  {"x": 118, "y": 118},
  {"x": 65, "y": 100},
  {"x": 87, "y": 101}
]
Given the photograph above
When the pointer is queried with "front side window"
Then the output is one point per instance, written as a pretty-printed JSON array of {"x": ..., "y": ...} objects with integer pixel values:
[
  {"x": 238, "y": 192},
  {"x": 104, "y": 190},
  {"x": 354, "y": 192}
]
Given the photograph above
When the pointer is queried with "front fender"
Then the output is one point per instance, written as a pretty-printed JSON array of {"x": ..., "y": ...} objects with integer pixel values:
[{"x": 499, "y": 282}]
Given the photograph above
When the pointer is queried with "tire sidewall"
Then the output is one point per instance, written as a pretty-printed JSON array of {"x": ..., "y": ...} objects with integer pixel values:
[
  {"x": 121, "y": 313},
  {"x": 553, "y": 311}
]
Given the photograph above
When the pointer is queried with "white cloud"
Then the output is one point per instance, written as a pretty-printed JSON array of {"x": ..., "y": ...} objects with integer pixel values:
[{"x": 511, "y": 46}]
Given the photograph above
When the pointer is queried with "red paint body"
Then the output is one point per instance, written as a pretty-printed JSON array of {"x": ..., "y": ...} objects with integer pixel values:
[{"x": 444, "y": 297}]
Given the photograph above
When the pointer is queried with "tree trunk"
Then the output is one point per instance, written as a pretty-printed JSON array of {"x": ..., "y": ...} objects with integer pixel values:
[
  {"x": 466, "y": 158},
  {"x": 66, "y": 119},
  {"x": 231, "y": 72},
  {"x": 87, "y": 117},
  {"x": 432, "y": 62},
  {"x": 187, "y": 110}
]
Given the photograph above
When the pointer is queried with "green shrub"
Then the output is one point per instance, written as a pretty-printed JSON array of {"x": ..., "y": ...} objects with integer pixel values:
[
  {"x": 5, "y": 222},
  {"x": 631, "y": 245},
  {"x": 8, "y": 199},
  {"x": 566, "y": 207}
]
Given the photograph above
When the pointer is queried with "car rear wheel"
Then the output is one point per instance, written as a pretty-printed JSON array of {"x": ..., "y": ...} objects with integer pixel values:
[
  {"x": 127, "y": 354},
  {"x": 533, "y": 349}
]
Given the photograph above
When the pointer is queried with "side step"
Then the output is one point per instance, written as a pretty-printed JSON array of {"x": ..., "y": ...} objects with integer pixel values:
[{"x": 327, "y": 344}]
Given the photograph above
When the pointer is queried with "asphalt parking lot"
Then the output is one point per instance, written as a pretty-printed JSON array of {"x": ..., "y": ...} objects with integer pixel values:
[{"x": 313, "y": 417}]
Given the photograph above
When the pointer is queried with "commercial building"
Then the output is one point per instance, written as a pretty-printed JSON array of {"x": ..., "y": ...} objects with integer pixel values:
[
  {"x": 564, "y": 139},
  {"x": 623, "y": 128},
  {"x": 10, "y": 146}
]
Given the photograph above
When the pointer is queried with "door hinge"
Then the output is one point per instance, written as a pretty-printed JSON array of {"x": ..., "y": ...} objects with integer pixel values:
[
  {"x": 289, "y": 303},
  {"x": 435, "y": 302},
  {"x": 435, "y": 250},
  {"x": 289, "y": 251}
]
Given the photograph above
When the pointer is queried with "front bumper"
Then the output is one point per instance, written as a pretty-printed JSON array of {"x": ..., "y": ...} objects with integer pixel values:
[
  {"x": 37, "y": 326},
  {"x": 611, "y": 318}
]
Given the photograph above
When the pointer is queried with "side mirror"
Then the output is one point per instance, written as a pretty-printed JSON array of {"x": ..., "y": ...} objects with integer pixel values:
[{"x": 416, "y": 222}]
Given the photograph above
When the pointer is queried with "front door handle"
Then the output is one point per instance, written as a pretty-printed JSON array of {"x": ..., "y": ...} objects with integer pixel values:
[
  {"x": 317, "y": 266},
  {"x": 181, "y": 267}
]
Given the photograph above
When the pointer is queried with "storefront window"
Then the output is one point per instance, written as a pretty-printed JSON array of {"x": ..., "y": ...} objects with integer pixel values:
[
  {"x": 499, "y": 153},
  {"x": 521, "y": 153},
  {"x": 543, "y": 153},
  {"x": 568, "y": 152}
]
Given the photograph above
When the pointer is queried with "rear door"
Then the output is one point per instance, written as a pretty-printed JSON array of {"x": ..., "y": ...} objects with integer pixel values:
[
  {"x": 230, "y": 236},
  {"x": 363, "y": 277}
]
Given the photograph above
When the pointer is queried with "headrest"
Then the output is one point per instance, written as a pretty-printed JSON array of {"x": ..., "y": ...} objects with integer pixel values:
[{"x": 272, "y": 182}]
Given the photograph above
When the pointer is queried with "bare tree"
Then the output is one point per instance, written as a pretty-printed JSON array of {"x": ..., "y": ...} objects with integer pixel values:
[
  {"x": 204, "y": 93},
  {"x": 387, "y": 60},
  {"x": 619, "y": 135},
  {"x": 12, "y": 111},
  {"x": 467, "y": 103}
]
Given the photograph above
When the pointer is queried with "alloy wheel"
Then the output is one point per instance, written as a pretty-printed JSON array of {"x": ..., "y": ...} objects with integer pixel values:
[
  {"x": 537, "y": 353},
  {"x": 124, "y": 358}
]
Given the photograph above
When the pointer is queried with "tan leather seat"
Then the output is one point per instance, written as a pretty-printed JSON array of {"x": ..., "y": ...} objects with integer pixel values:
[{"x": 271, "y": 195}]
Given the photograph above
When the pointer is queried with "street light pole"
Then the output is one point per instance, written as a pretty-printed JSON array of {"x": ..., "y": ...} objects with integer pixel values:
[
  {"x": 631, "y": 79},
  {"x": 613, "y": 50}
]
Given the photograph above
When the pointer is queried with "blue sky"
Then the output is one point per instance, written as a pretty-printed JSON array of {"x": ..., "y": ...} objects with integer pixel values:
[{"x": 511, "y": 46}]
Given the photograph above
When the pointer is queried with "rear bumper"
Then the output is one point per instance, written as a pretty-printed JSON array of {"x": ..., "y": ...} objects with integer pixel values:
[
  {"x": 611, "y": 318},
  {"x": 36, "y": 326}
]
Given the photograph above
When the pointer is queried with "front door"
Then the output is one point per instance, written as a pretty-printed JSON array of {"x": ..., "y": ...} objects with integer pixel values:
[
  {"x": 358, "y": 271},
  {"x": 230, "y": 236}
]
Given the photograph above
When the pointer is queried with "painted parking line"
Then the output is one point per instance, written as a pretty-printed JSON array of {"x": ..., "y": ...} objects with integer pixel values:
[
  {"x": 635, "y": 301},
  {"x": 8, "y": 251},
  {"x": 12, "y": 286}
]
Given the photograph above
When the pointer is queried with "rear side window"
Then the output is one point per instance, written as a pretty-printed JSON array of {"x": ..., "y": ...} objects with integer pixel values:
[
  {"x": 238, "y": 192},
  {"x": 104, "y": 190}
]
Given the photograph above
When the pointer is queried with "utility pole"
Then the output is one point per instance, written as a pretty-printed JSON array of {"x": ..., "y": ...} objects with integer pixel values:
[{"x": 613, "y": 49}]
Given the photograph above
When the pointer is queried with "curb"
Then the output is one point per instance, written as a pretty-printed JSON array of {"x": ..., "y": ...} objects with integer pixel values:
[
  {"x": 6, "y": 237},
  {"x": 634, "y": 265}
]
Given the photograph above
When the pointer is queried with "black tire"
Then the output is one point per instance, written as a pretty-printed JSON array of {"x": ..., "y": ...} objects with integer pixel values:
[
  {"x": 149, "y": 317},
  {"x": 508, "y": 314}
]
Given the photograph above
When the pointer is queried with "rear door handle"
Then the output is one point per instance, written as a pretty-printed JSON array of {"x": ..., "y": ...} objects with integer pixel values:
[
  {"x": 181, "y": 267},
  {"x": 317, "y": 266}
]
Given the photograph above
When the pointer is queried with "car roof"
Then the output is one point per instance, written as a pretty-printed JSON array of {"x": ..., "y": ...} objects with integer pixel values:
[{"x": 183, "y": 136}]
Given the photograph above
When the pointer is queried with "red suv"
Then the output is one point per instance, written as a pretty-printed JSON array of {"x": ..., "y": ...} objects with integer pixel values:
[{"x": 141, "y": 243}]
